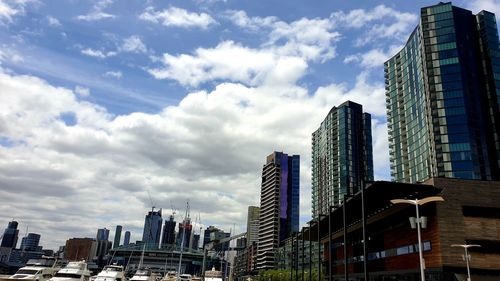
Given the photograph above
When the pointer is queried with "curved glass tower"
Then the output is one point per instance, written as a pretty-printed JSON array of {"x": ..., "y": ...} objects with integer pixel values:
[{"x": 442, "y": 92}]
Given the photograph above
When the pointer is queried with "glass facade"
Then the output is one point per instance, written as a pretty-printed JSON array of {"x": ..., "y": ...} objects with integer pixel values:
[
  {"x": 442, "y": 98},
  {"x": 279, "y": 205},
  {"x": 342, "y": 158},
  {"x": 152, "y": 228}
]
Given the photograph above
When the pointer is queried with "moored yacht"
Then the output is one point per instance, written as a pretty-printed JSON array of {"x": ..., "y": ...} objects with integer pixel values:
[
  {"x": 73, "y": 271},
  {"x": 213, "y": 275},
  {"x": 37, "y": 270},
  {"x": 111, "y": 273},
  {"x": 170, "y": 276},
  {"x": 145, "y": 275}
]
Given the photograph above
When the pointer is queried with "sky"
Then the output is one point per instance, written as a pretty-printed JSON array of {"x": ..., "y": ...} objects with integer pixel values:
[{"x": 110, "y": 107}]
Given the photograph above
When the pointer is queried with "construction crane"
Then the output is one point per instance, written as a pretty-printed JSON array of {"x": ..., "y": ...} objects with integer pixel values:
[{"x": 209, "y": 246}]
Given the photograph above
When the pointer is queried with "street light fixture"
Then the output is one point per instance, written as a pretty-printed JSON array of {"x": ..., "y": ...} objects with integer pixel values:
[
  {"x": 466, "y": 256},
  {"x": 418, "y": 221}
]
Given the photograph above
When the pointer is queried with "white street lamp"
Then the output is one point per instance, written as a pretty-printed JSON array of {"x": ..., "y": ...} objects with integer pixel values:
[
  {"x": 418, "y": 221},
  {"x": 466, "y": 256}
]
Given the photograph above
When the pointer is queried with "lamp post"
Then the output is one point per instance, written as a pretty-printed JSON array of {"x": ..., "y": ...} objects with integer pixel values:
[
  {"x": 319, "y": 247},
  {"x": 416, "y": 203},
  {"x": 466, "y": 256}
]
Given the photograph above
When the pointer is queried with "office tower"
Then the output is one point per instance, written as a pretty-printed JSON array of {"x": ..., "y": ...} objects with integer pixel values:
[
  {"x": 152, "y": 227},
  {"x": 30, "y": 242},
  {"x": 126, "y": 239},
  {"x": 168, "y": 236},
  {"x": 118, "y": 235},
  {"x": 10, "y": 235},
  {"x": 213, "y": 233},
  {"x": 442, "y": 93},
  {"x": 342, "y": 157},
  {"x": 253, "y": 225},
  {"x": 102, "y": 234},
  {"x": 184, "y": 233},
  {"x": 279, "y": 205},
  {"x": 78, "y": 249},
  {"x": 195, "y": 241}
]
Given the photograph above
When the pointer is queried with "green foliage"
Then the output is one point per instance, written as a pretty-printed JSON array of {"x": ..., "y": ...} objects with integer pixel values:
[{"x": 284, "y": 275}]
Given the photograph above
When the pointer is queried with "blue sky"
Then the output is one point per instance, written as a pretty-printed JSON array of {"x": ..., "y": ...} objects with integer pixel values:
[{"x": 105, "y": 100}]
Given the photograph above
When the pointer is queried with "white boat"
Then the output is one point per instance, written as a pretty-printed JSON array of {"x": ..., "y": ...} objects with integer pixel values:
[
  {"x": 170, "y": 276},
  {"x": 73, "y": 271},
  {"x": 185, "y": 277},
  {"x": 145, "y": 275},
  {"x": 213, "y": 275},
  {"x": 111, "y": 273},
  {"x": 37, "y": 269}
]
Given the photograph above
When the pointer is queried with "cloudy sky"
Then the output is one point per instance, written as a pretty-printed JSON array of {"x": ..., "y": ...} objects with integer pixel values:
[{"x": 103, "y": 102}]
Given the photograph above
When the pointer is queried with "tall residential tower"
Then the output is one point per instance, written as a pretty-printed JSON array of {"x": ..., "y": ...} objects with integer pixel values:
[
  {"x": 442, "y": 93},
  {"x": 279, "y": 205},
  {"x": 342, "y": 157}
]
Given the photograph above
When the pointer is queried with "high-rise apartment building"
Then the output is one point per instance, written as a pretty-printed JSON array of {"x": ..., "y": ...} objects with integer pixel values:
[
  {"x": 126, "y": 238},
  {"x": 442, "y": 93},
  {"x": 168, "y": 236},
  {"x": 118, "y": 235},
  {"x": 30, "y": 242},
  {"x": 10, "y": 235},
  {"x": 152, "y": 228},
  {"x": 342, "y": 156},
  {"x": 253, "y": 225},
  {"x": 184, "y": 234},
  {"x": 102, "y": 234},
  {"x": 279, "y": 205}
]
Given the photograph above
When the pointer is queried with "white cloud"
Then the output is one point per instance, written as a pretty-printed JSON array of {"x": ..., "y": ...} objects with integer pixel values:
[
  {"x": 381, "y": 22},
  {"x": 97, "y": 12},
  {"x": 488, "y": 5},
  {"x": 97, "y": 53},
  {"x": 114, "y": 74},
  {"x": 373, "y": 58},
  {"x": 241, "y": 19},
  {"x": 11, "y": 8},
  {"x": 230, "y": 61},
  {"x": 82, "y": 91},
  {"x": 177, "y": 17},
  {"x": 53, "y": 21},
  {"x": 133, "y": 44},
  {"x": 211, "y": 144}
]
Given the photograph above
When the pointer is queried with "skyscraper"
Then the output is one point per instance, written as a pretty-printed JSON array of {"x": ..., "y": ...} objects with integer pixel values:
[
  {"x": 126, "y": 239},
  {"x": 253, "y": 225},
  {"x": 30, "y": 242},
  {"x": 342, "y": 157},
  {"x": 184, "y": 233},
  {"x": 102, "y": 234},
  {"x": 118, "y": 235},
  {"x": 152, "y": 228},
  {"x": 10, "y": 235},
  {"x": 168, "y": 236},
  {"x": 279, "y": 205},
  {"x": 442, "y": 93}
]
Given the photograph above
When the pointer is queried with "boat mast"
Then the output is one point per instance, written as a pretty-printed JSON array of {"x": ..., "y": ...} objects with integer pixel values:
[{"x": 183, "y": 238}]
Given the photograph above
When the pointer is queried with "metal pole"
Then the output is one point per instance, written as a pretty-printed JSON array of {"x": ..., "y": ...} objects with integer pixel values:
[
  {"x": 363, "y": 215},
  {"x": 291, "y": 258},
  {"x": 302, "y": 255},
  {"x": 467, "y": 262},
  {"x": 420, "y": 254},
  {"x": 310, "y": 253},
  {"x": 297, "y": 256},
  {"x": 346, "y": 271},
  {"x": 330, "y": 243},
  {"x": 319, "y": 251}
]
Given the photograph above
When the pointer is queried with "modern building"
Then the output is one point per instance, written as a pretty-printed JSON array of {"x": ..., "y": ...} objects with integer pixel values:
[
  {"x": 126, "y": 239},
  {"x": 10, "y": 235},
  {"x": 342, "y": 157},
  {"x": 168, "y": 236},
  {"x": 102, "y": 234},
  {"x": 442, "y": 95},
  {"x": 391, "y": 241},
  {"x": 30, "y": 242},
  {"x": 184, "y": 234},
  {"x": 253, "y": 225},
  {"x": 77, "y": 249},
  {"x": 118, "y": 235},
  {"x": 279, "y": 205},
  {"x": 152, "y": 227}
]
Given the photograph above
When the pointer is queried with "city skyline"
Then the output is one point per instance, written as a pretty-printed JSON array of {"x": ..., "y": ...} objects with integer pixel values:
[{"x": 102, "y": 118}]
